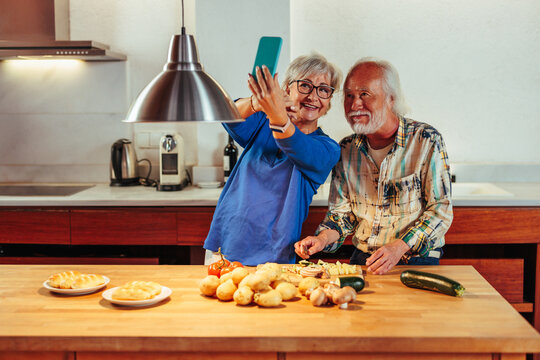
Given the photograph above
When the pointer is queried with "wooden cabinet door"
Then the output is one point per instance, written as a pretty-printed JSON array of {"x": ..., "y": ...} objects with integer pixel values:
[
  {"x": 494, "y": 225},
  {"x": 193, "y": 224},
  {"x": 125, "y": 226},
  {"x": 41, "y": 355},
  {"x": 33, "y": 226}
]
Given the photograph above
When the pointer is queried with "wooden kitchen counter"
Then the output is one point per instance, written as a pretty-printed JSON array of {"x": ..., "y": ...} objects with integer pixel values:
[{"x": 388, "y": 321}]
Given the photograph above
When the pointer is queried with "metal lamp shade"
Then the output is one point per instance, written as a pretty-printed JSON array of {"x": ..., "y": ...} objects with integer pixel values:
[{"x": 183, "y": 91}]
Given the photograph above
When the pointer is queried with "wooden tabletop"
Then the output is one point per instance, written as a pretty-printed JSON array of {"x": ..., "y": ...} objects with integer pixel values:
[{"x": 387, "y": 317}]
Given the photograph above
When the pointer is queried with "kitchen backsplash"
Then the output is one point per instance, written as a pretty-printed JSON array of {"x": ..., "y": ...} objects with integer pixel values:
[
  {"x": 58, "y": 126},
  {"x": 100, "y": 173}
]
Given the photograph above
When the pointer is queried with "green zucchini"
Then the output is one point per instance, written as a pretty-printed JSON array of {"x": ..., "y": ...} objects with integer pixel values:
[
  {"x": 356, "y": 282},
  {"x": 433, "y": 282}
]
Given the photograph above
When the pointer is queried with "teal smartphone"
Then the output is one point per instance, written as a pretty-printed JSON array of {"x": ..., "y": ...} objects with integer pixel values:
[{"x": 267, "y": 54}]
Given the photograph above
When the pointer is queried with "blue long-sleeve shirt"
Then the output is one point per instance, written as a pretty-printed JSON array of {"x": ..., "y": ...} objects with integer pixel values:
[{"x": 260, "y": 212}]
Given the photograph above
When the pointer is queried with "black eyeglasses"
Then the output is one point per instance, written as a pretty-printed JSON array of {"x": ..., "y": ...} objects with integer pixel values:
[{"x": 306, "y": 87}]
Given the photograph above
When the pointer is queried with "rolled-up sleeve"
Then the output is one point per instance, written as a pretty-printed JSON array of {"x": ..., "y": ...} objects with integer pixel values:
[{"x": 339, "y": 216}]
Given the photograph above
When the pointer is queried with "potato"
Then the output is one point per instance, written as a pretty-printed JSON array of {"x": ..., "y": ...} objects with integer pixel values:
[
  {"x": 268, "y": 298},
  {"x": 287, "y": 290},
  {"x": 245, "y": 281},
  {"x": 273, "y": 269},
  {"x": 243, "y": 296},
  {"x": 238, "y": 274},
  {"x": 260, "y": 281},
  {"x": 276, "y": 282},
  {"x": 208, "y": 285},
  {"x": 225, "y": 277},
  {"x": 225, "y": 291},
  {"x": 307, "y": 285}
]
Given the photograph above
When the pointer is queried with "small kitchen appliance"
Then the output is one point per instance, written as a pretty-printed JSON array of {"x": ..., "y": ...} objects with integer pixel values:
[
  {"x": 123, "y": 164},
  {"x": 172, "y": 174}
]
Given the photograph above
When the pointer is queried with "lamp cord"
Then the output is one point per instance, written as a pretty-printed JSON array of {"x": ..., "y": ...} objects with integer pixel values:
[{"x": 183, "y": 28}]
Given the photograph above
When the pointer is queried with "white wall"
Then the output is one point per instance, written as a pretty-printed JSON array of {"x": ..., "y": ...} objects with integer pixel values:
[
  {"x": 228, "y": 33},
  {"x": 141, "y": 29},
  {"x": 57, "y": 124},
  {"x": 467, "y": 67}
]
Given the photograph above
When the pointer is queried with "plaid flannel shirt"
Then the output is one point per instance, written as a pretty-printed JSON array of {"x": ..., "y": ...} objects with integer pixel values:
[{"x": 409, "y": 198}]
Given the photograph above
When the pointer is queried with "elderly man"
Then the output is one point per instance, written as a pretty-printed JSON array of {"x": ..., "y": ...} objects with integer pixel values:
[{"x": 391, "y": 187}]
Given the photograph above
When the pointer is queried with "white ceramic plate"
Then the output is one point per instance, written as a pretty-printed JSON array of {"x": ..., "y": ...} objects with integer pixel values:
[
  {"x": 209, "y": 185},
  {"x": 76, "y": 291},
  {"x": 165, "y": 293}
]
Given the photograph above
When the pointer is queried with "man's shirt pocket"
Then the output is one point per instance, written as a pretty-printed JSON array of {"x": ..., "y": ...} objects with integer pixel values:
[{"x": 403, "y": 196}]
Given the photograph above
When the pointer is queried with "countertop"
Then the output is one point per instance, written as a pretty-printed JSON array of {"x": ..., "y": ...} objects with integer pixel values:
[
  {"x": 386, "y": 317},
  {"x": 511, "y": 194}
]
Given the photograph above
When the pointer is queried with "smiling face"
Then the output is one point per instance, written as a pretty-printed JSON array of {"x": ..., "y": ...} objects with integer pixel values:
[
  {"x": 310, "y": 106},
  {"x": 366, "y": 104}
]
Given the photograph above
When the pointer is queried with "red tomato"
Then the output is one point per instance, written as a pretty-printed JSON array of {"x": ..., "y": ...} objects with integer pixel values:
[
  {"x": 216, "y": 267},
  {"x": 235, "y": 264},
  {"x": 230, "y": 267},
  {"x": 225, "y": 270}
]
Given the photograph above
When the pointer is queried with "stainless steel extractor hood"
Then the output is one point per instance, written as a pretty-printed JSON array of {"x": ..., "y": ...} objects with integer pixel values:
[{"x": 39, "y": 29}]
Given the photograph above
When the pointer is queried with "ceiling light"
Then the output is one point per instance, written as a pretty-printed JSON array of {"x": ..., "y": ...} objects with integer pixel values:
[{"x": 183, "y": 91}]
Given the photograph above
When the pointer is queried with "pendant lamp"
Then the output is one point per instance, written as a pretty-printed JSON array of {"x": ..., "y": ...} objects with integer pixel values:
[{"x": 183, "y": 91}]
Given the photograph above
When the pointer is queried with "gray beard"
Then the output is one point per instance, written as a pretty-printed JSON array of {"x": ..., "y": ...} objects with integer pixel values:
[{"x": 376, "y": 121}]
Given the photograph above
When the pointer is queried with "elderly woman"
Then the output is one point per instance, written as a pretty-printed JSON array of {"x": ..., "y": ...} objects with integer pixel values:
[{"x": 286, "y": 158}]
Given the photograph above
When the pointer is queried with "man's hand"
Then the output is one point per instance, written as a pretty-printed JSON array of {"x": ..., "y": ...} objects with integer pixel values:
[
  {"x": 313, "y": 244},
  {"x": 386, "y": 257}
]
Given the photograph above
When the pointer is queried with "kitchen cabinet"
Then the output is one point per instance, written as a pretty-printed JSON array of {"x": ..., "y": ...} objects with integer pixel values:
[
  {"x": 34, "y": 226},
  {"x": 513, "y": 274},
  {"x": 125, "y": 226},
  {"x": 388, "y": 321},
  {"x": 192, "y": 225}
]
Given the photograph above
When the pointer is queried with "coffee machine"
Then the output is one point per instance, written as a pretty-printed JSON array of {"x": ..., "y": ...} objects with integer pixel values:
[{"x": 172, "y": 174}]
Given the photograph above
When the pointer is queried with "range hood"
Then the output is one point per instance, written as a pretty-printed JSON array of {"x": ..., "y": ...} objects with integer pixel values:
[{"x": 39, "y": 29}]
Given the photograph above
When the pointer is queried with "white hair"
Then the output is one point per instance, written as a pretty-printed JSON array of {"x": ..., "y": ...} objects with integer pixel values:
[
  {"x": 312, "y": 64},
  {"x": 391, "y": 83}
]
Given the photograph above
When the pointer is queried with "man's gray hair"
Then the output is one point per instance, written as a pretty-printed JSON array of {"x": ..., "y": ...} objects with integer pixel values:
[
  {"x": 391, "y": 83},
  {"x": 312, "y": 64}
]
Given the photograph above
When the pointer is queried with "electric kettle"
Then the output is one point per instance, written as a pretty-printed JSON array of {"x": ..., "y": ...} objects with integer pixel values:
[{"x": 123, "y": 164}]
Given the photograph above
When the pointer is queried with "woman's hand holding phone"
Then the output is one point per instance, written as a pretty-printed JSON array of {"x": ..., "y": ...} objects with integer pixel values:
[{"x": 269, "y": 96}]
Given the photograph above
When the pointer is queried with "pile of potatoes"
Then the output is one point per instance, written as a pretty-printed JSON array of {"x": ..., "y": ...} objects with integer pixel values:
[{"x": 267, "y": 287}]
